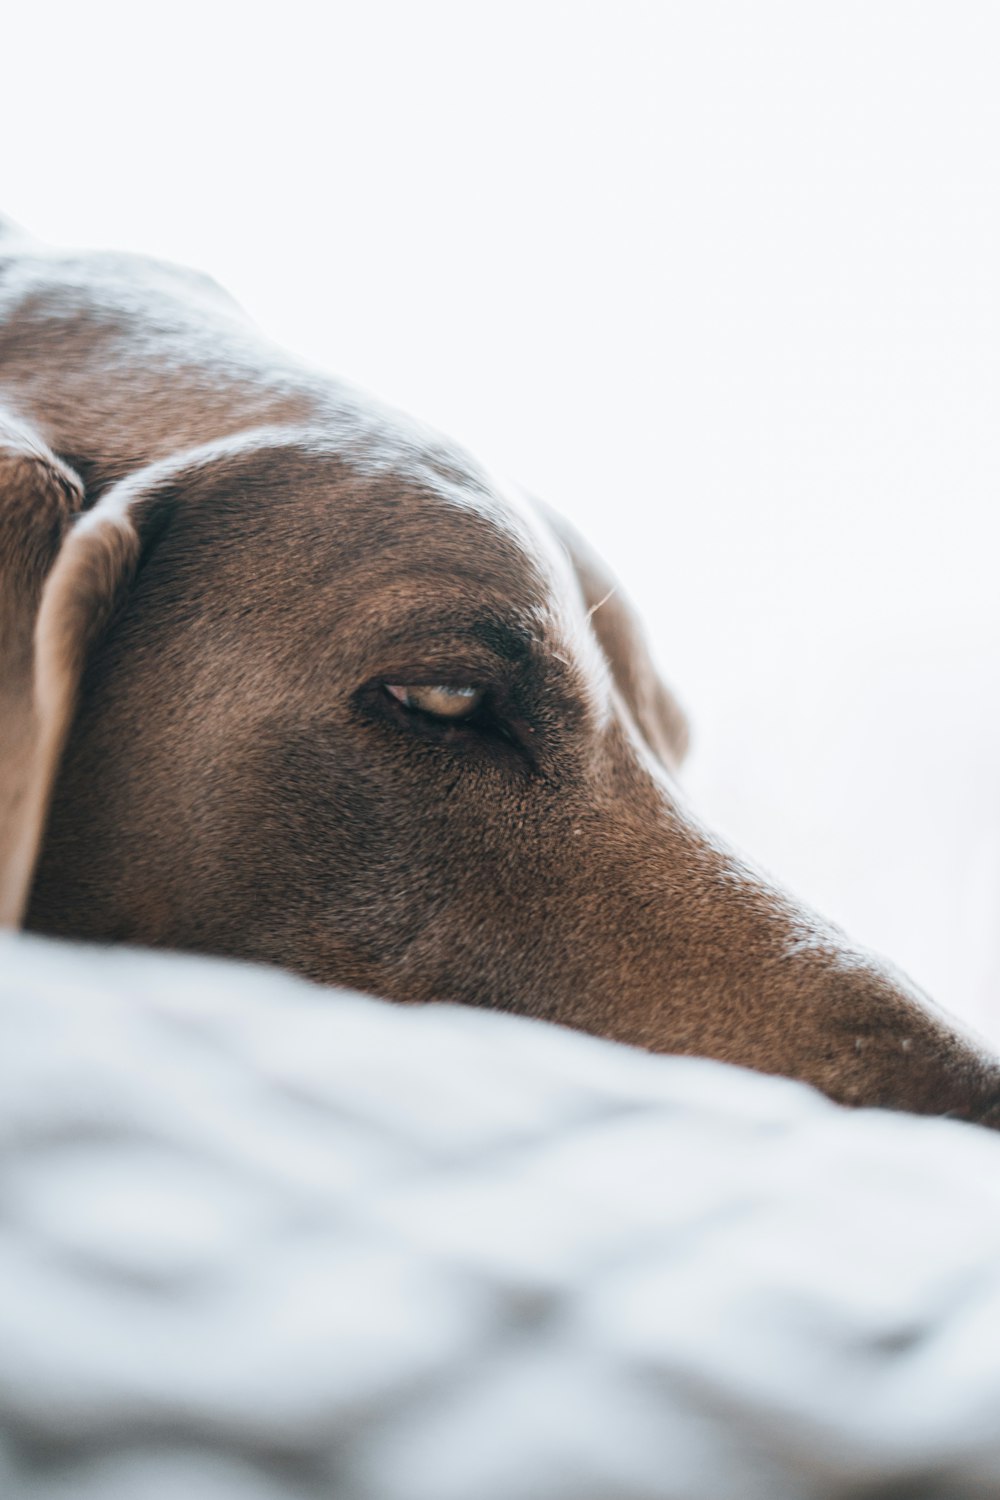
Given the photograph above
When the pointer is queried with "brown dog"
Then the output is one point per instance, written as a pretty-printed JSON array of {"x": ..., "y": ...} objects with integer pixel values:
[{"x": 304, "y": 684}]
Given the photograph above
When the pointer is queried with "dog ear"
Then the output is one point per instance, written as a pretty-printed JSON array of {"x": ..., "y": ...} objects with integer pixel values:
[
  {"x": 658, "y": 716},
  {"x": 39, "y": 495},
  {"x": 61, "y": 582}
]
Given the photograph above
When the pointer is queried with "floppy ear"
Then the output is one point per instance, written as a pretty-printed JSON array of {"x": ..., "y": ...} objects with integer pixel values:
[
  {"x": 657, "y": 714},
  {"x": 59, "y": 585},
  {"x": 38, "y": 497}
]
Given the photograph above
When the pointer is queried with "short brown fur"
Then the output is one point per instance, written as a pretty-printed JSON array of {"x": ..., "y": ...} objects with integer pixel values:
[{"x": 193, "y": 679}]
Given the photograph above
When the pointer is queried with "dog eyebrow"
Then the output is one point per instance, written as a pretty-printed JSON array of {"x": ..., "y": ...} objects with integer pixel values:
[{"x": 510, "y": 642}]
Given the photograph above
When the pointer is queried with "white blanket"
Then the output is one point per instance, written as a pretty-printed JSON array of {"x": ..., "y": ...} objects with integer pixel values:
[{"x": 261, "y": 1241}]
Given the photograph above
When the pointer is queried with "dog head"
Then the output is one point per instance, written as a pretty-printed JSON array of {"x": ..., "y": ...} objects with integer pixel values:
[{"x": 336, "y": 700}]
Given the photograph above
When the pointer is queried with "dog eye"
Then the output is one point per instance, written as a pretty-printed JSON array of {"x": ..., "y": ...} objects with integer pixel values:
[{"x": 439, "y": 702}]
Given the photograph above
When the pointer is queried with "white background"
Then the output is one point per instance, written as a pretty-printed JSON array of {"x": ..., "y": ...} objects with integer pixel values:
[{"x": 719, "y": 280}]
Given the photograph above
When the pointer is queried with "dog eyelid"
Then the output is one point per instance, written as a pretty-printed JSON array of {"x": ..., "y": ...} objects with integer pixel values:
[{"x": 438, "y": 701}]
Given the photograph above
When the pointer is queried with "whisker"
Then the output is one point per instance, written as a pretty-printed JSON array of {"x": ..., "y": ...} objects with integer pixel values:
[{"x": 595, "y": 607}]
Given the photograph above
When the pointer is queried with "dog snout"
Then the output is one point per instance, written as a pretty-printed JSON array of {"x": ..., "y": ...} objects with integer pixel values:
[
  {"x": 887, "y": 1045},
  {"x": 715, "y": 960}
]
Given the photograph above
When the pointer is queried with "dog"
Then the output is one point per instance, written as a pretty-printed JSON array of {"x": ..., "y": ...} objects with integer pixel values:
[{"x": 286, "y": 677}]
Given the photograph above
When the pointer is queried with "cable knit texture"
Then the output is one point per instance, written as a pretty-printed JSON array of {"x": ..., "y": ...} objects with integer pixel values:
[{"x": 264, "y": 1241}]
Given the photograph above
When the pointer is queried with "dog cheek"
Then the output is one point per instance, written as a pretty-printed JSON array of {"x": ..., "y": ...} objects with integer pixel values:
[{"x": 334, "y": 833}]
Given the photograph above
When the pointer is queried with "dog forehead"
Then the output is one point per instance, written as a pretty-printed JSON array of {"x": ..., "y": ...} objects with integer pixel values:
[
  {"x": 388, "y": 478},
  {"x": 388, "y": 493},
  {"x": 439, "y": 537},
  {"x": 337, "y": 515},
  {"x": 432, "y": 489},
  {"x": 459, "y": 525}
]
